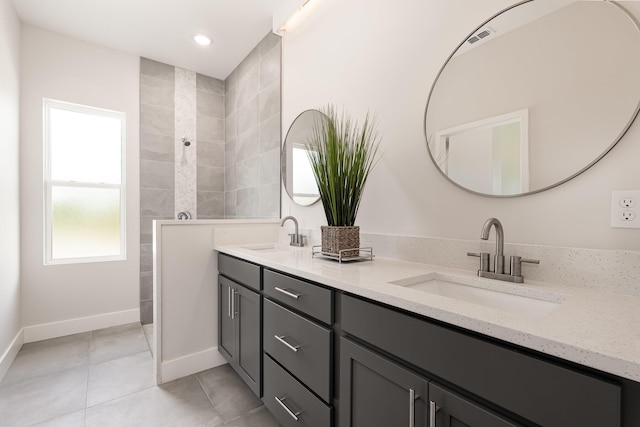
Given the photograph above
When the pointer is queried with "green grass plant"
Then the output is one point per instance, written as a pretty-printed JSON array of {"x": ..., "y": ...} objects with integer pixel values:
[{"x": 342, "y": 154}]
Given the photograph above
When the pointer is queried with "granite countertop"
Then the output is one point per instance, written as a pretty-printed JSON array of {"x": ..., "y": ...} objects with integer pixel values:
[{"x": 595, "y": 329}]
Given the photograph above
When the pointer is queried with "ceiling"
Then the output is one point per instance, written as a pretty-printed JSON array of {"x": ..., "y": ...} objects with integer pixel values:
[{"x": 161, "y": 29}]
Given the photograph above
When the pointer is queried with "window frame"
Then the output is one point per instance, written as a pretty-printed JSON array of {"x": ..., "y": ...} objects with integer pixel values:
[{"x": 49, "y": 183}]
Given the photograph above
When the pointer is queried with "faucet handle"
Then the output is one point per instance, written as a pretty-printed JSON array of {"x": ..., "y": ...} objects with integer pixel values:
[
  {"x": 516, "y": 264},
  {"x": 484, "y": 259}
]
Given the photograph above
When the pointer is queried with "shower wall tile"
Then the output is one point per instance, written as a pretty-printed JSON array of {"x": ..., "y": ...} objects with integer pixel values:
[
  {"x": 270, "y": 101},
  {"x": 149, "y": 67},
  {"x": 270, "y": 67},
  {"x": 209, "y": 84},
  {"x": 247, "y": 205},
  {"x": 270, "y": 136},
  {"x": 248, "y": 115},
  {"x": 156, "y": 91},
  {"x": 230, "y": 153},
  {"x": 252, "y": 134},
  {"x": 231, "y": 127},
  {"x": 248, "y": 86},
  {"x": 210, "y": 104},
  {"x": 209, "y": 128},
  {"x": 154, "y": 146},
  {"x": 146, "y": 229},
  {"x": 156, "y": 119},
  {"x": 230, "y": 181},
  {"x": 231, "y": 81},
  {"x": 230, "y": 203},
  {"x": 267, "y": 44},
  {"x": 211, "y": 154},
  {"x": 269, "y": 163},
  {"x": 210, "y": 179},
  {"x": 146, "y": 285},
  {"x": 146, "y": 311},
  {"x": 210, "y": 204},
  {"x": 248, "y": 174},
  {"x": 156, "y": 203},
  {"x": 146, "y": 258},
  {"x": 155, "y": 174},
  {"x": 247, "y": 144},
  {"x": 269, "y": 203},
  {"x": 248, "y": 63}
]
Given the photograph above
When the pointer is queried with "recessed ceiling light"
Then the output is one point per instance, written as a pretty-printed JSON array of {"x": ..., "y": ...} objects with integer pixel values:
[{"x": 202, "y": 40}]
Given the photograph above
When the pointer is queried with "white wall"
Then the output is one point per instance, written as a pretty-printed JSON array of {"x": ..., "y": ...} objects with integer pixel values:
[
  {"x": 58, "y": 67},
  {"x": 10, "y": 322},
  {"x": 384, "y": 56}
]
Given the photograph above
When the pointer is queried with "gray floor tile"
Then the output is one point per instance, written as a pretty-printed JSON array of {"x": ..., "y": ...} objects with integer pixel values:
[
  {"x": 43, "y": 398},
  {"x": 119, "y": 377},
  {"x": 75, "y": 419},
  {"x": 116, "y": 342},
  {"x": 259, "y": 417},
  {"x": 228, "y": 394},
  {"x": 47, "y": 357},
  {"x": 178, "y": 403}
]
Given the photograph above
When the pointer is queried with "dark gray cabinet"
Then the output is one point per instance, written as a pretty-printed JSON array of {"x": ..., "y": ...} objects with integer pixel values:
[
  {"x": 239, "y": 329},
  {"x": 375, "y": 392}
]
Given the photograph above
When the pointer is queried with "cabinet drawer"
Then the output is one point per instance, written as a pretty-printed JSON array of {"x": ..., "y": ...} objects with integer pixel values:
[
  {"x": 300, "y": 345},
  {"x": 294, "y": 400},
  {"x": 241, "y": 271},
  {"x": 310, "y": 299},
  {"x": 541, "y": 391}
]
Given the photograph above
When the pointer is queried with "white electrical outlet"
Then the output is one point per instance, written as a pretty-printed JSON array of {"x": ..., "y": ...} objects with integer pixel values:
[{"x": 625, "y": 209}]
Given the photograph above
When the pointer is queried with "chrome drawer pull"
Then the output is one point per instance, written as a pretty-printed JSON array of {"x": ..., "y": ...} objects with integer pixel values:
[
  {"x": 281, "y": 400},
  {"x": 412, "y": 408},
  {"x": 433, "y": 409},
  {"x": 291, "y": 347},
  {"x": 288, "y": 293}
]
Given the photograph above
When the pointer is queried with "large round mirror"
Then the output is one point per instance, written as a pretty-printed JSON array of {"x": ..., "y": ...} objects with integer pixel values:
[
  {"x": 535, "y": 96},
  {"x": 297, "y": 175}
]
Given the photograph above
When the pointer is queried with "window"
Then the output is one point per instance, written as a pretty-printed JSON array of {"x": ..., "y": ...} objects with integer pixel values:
[{"x": 84, "y": 183}]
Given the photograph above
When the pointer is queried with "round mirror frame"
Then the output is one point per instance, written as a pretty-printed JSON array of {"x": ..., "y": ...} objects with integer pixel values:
[
  {"x": 283, "y": 157},
  {"x": 562, "y": 181}
]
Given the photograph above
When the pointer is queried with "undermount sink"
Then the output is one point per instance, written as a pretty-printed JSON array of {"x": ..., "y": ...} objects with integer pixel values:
[
  {"x": 265, "y": 247},
  {"x": 461, "y": 288}
]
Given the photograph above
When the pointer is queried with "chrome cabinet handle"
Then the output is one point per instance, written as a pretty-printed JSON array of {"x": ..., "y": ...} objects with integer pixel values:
[
  {"x": 412, "y": 408},
  {"x": 281, "y": 400},
  {"x": 233, "y": 304},
  {"x": 288, "y": 293},
  {"x": 229, "y": 301},
  {"x": 433, "y": 408},
  {"x": 281, "y": 338}
]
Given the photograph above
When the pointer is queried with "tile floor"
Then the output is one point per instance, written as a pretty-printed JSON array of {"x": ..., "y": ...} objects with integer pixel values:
[{"x": 105, "y": 378}]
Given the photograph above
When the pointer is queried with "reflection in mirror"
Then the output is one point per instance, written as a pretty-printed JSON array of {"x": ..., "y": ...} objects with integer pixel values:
[
  {"x": 297, "y": 175},
  {"x": 535, "y": 96}
]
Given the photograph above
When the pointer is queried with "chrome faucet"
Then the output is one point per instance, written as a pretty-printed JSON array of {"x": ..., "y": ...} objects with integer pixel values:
[
  {"x": 296, "y": 239},
  {"x": 515, "y": 264},
  {"x": 498, "y": 265}
]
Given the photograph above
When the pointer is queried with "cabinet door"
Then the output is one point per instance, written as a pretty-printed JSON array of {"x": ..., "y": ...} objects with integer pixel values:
[
  {"x": 226, "y": 321},
  {"x": 452, "y": 410},
  {"x": 249, "y": 353},
  {"x": 375, "y": 392}
]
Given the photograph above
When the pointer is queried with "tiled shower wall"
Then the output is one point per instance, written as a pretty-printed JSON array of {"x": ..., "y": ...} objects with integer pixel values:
[
  {"x": 202, "y": 177},
  {"x": 252, "y": 111}
]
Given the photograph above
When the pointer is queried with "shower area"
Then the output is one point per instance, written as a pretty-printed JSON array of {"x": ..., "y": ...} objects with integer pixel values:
[{"x": 209, "y": 148}]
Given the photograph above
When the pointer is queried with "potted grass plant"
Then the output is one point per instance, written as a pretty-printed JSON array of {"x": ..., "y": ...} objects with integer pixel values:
[{"x": 342, "y": 154}]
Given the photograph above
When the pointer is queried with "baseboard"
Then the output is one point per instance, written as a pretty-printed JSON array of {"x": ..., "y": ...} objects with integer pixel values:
[
  {"x": 190, "y": 364},
  {"x": 78, "y": 325},
  {"x": 10, "y": 353}
]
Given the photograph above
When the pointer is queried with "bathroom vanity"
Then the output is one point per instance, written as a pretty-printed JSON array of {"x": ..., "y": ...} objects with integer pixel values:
[{"x": 334, "y": 348}]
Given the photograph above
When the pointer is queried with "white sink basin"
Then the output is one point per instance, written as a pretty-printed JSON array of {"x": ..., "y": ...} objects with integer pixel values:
[
  {"x": 460, "y": 288},
  {"x": 265, "y": 247}
]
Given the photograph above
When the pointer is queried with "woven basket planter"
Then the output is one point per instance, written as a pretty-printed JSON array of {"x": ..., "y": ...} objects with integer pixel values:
[{"x": 335, "y": 239}]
